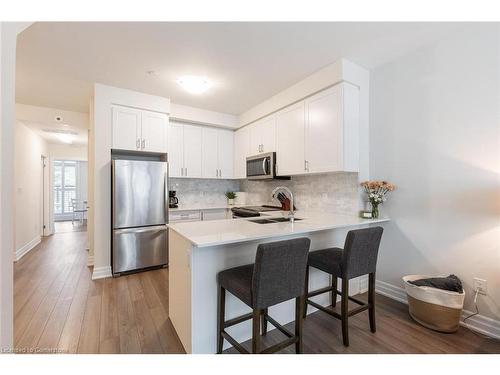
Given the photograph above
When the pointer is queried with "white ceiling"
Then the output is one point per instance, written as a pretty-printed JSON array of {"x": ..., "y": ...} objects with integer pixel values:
[
  {"x": 248, "y": 62},
  {"x": 42, "y": 118}
]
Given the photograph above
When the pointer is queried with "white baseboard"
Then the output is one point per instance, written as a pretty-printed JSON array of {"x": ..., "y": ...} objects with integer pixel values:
[
  {"x": 90, "y": 260},
  {"x": 479, "y": 323},
  {"x": 23, "y": 250},
  {"x": 101, "y": 272}
]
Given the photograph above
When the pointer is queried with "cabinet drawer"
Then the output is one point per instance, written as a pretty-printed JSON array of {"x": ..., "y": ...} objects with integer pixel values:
[{"x": 184, "y": 216}]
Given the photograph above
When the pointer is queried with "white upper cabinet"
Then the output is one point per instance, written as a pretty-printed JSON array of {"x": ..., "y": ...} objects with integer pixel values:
[
  {"x": 139, "y": 130},
  {"x": 192, "y": 151},
  {"x": 263, "y": 135},
  {"x": 290, "y": 130},
  {"x": 217, "y": 153},
  {"x": 241, "y": 151},
  {"x": 126, "y": 128},
  {"x": 154, "y": 131},
  {"x": 320, "y": 133},
  {"x": 225, "y": 142},
  {"x": 176, "y": 150},
  {"x": 332, "y": 123},
  {"x": 209, "y": 146}
]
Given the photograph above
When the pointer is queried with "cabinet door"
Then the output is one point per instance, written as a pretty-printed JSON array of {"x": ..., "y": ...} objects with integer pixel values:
[
  {"x": 214, "y": 214},
  {"x": 324, "y": 138},
  {"x": 126, "y": 128},
  {"x": 241, "y": 151},
  {"x": 209, "y": 149},
  {"x": 290, "y": 128},
  {"x": 267, "y": 130},
  {"x": 255, "y": 134},
  {"x": 225, "y": 153},
  {"x": 175, "y": 149},
  {"x": 154, "y": 131},
  {"x": 192, "y": 151}
]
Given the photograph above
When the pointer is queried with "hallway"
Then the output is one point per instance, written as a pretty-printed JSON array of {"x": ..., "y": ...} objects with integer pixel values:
[{"x": 59, "y": 309}]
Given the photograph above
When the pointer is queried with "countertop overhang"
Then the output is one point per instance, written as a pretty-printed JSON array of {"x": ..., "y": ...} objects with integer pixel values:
[{"x": 229, "y": 231}]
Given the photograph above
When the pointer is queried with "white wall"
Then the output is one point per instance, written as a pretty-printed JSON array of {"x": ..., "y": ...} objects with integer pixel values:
[
  {"x": 68, "y": 152},
  {"x": 435, "y": 133},
  {"x": 8, "y": 35},
  {"x": 28, "y": 150}
]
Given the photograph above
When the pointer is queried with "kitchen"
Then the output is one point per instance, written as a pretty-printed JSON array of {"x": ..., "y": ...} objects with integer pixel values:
[{"x": 188, "y": 180}]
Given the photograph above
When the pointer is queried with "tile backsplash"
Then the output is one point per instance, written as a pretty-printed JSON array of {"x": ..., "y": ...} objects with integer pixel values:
[
  {"x": 334, "y": 192},
  {"x": 194, "y": 191}
]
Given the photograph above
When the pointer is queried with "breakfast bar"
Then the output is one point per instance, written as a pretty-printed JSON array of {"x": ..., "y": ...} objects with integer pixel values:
[{"x": 199, "y": 250}]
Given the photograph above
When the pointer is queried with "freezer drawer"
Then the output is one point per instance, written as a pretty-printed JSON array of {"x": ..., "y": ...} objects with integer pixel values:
[{"x": 137, "y": 248}]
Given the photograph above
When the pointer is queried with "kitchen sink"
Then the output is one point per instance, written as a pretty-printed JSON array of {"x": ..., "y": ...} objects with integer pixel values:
[
  {"x": 283, "y": 219},
  {"x": 271, "y": 221}
]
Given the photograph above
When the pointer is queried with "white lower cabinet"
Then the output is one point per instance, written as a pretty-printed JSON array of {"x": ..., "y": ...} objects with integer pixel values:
[{"x": 199, "y": 215}]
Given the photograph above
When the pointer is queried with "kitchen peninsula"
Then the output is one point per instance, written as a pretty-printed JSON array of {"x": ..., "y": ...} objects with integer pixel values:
[{"x": 199, "y": 250}]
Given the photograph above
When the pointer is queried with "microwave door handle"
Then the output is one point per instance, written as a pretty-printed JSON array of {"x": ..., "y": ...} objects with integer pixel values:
[{"x": 264, "y": 165}]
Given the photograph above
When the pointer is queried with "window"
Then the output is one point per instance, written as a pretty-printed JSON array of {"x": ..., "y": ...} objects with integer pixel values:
[{"x": 64, "y": 186}]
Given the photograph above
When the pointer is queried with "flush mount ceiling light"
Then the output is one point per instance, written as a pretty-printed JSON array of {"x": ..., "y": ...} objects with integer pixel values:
[{"x": 194, "y": 84}]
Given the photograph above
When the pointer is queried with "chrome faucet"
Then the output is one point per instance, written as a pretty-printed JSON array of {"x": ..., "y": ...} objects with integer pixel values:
[{"x": 274, "y": 194}]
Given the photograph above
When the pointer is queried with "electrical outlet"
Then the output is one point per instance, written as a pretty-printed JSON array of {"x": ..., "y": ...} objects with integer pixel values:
[{"x": 481, "y": 286}]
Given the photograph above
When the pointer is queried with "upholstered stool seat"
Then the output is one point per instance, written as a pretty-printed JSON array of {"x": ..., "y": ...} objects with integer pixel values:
[
  {"x": 278, "y": 275},
  {"x": 238, "y": 281},
  {"x": 327, "y": 260}
]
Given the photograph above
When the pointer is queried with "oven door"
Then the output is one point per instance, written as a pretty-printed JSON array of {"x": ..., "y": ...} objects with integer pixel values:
[{"x": 260, "y": 167}]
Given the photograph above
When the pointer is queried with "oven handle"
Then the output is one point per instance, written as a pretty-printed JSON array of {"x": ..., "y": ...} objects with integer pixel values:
[{"x": 264, "y": 165}]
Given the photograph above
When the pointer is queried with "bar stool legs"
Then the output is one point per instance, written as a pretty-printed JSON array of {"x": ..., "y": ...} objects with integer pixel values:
[
  {"x": 371, "y": 301},
  {"x": 299, "y": 322},
  {"x": 264, "y": 322},
  {"x": 256, "y": 314},
  {"x": 334, "y": 291},
  {"x": 221, "y": 312},
  {"x": 344, "y": 311}
]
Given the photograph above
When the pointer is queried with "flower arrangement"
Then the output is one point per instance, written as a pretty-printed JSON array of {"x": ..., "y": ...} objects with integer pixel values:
[
  {"x": 376, "y": 192},
  {"x": 230, "y": 195}
]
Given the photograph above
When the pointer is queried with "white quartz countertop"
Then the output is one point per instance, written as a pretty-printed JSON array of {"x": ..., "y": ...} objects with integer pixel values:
[{"x": 221, "y": 232}]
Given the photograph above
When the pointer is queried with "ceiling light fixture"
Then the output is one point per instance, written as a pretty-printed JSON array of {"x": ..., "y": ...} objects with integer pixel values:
[{"x": 194, "y": 84}]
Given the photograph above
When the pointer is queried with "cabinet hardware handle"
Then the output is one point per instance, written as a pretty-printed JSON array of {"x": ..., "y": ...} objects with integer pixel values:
[
  {"x": 186, "y": 171},
  {"x": 262, "y": 147},
  {"x": 143, "y": 144},
  {"x": 138, "y": 143}
]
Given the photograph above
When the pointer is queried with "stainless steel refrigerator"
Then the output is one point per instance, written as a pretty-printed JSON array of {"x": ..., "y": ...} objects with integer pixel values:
[{"x": 139, "y": 214}]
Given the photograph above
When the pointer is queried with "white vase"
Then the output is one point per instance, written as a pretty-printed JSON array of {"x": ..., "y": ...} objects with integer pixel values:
[{"x": 230, "y": 201}]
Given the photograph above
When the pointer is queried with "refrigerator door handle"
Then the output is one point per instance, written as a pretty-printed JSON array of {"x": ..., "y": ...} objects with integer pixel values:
[{"x": 155, "y": 228}]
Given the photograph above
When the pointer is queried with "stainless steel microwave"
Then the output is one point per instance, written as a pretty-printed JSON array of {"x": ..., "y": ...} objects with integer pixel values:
[{"x": 262, "y": 167}]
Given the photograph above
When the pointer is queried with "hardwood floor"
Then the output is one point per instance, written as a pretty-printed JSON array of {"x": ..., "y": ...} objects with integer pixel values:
[
  {"x": 396, "y": 333},
  {"x": 58, "y": 308},
  {"x": 68, "y": 226}
]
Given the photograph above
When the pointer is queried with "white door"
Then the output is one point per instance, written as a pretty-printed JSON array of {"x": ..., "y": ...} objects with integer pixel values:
[
  {"x": 268, "y": 134},
  {"x": 241, "y": 151},
  {"x": 225, "y": 153},
  {"x": 126, "y": 128},
  {"x": 175, "y": 149},
  {"x": 192, "y": 151},
  {"x": 154, "y": 131},
  {"x": 290, "y": 128},
  {"x": 209, "y": 147}
]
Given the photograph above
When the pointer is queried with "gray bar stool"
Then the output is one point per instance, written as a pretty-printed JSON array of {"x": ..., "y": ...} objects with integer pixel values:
[
  {"x": 278, "y": 275},
  {"x": 359, "y": 257}
]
